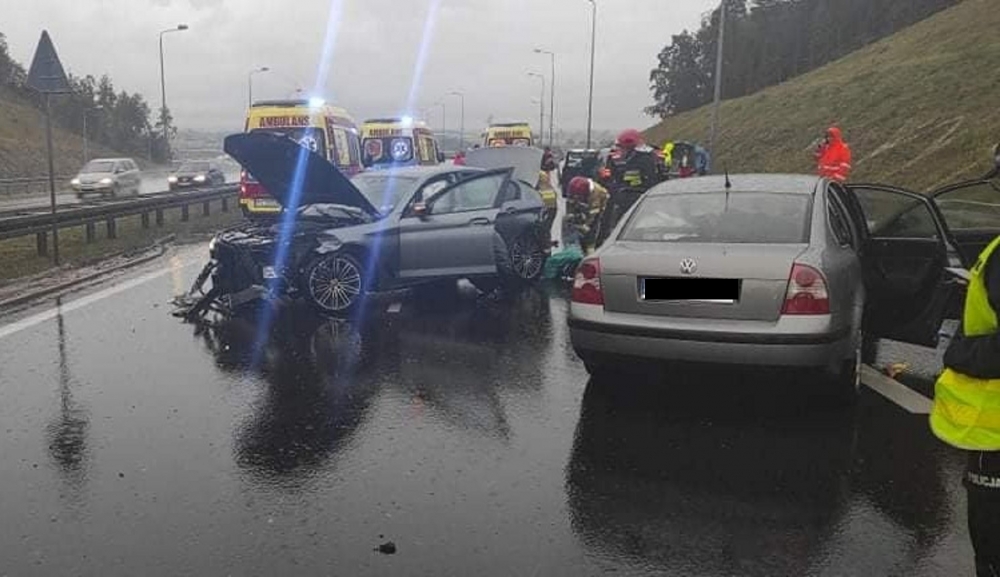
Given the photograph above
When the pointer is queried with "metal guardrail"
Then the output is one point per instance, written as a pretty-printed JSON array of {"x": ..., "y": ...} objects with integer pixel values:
[
  {"x": 88, "y": 216},
  {"x": 28, "y": 185}
]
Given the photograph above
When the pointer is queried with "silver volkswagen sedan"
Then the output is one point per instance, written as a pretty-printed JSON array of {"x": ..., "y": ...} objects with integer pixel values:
[{"x": 771, "y": 270}]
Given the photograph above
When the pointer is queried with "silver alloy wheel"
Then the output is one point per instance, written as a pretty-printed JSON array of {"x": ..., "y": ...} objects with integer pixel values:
[
  {"x": 335, "y": 283},
  {"x": 527, "y": 262}
]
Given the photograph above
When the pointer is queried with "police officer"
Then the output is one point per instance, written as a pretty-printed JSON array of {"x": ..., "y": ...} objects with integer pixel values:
[{"x": 966, "y": 412}]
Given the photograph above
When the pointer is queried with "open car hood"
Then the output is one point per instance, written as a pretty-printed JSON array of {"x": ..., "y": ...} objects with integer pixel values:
[
  {"x": 525, "y": 160},
  {"x": 274, "y": 159}
]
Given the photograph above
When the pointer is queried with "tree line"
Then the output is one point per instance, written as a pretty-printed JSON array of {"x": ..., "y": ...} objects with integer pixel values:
[
  {"x": 770, "y": 41},
  {"x": 113, "y": 118}
]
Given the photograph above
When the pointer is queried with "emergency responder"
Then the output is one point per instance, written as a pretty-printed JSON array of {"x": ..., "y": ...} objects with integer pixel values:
[
  {"x": 668, "y": 156},
  {"x": 966, "y": 412},
  {"x": 833, "y": 156},
  {"x": 585, "y": 203},
  {"x": 633, "y": 164}
]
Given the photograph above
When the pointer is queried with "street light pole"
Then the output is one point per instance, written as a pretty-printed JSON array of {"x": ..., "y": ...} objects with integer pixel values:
[
  {"x": 163, "y": 83},
  {"x": 444, "y": 119},
  {"x": 461, "y": 138},
  {"x": 552, "y": 94},
  {"x": 86, "y": 111},
  {"x": 593, "y": 49},
  {"x": 250, "y": 83},
  {"x": 717, "y": 103},
  {"x": 541, "y": 105}
]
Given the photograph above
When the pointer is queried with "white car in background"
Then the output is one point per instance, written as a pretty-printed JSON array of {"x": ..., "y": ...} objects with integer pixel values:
[{"x": 108, "y": 177}]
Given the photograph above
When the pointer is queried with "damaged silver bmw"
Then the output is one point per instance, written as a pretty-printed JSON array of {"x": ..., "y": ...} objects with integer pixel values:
[{"x": 338, "y": 241}]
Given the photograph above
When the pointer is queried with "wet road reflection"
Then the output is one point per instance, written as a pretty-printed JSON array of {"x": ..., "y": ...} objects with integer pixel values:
[
  {"x": 313, "y": 402},
  {"x": 463, "y": 429},
  {"x": 705, "y": 476},
  {"x": 67, "y": 433}
]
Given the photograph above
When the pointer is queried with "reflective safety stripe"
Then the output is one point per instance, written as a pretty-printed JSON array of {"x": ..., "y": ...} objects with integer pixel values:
[{"x": 966, "y": 411}]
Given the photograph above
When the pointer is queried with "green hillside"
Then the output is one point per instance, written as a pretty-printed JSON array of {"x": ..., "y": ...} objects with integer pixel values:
[
  {"x": 22, "y": 143},
  {"x": 919, "y": 109}
]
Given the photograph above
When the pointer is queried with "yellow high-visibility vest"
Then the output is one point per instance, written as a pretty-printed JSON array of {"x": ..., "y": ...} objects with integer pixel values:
[
  {"x": 668, "y": 154},
  {"x": 966, "y": 411}
]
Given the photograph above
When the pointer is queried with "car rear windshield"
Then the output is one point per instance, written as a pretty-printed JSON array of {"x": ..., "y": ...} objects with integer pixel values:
[
  {"x": 742, "y": 218},
  {"x": 99, "y": 166},
  {"x": 385, "y": 190},
  {"x": 193, "y": 167}
]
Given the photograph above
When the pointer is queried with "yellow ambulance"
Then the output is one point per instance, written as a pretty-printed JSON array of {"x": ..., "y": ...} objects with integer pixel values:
[{"x": 326, "y": 130}]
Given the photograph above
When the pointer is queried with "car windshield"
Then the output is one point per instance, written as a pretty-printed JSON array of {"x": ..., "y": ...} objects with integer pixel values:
[
  {"x": 385, "y": 190},
  {"x": 715, "y": 217},
  {"x": 99, "y": 166},
  {"x": 194, "y": 167}
]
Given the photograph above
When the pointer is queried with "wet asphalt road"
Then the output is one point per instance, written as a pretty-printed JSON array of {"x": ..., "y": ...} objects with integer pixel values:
[{"x": 462, "y": 430}]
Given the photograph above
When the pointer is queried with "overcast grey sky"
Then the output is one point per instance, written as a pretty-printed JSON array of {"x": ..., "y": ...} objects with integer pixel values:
[{"x": 364, "y": 53}]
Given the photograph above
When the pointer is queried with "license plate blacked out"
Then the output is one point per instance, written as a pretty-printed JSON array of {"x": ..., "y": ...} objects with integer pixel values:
[{"x": 690, "y": 289}]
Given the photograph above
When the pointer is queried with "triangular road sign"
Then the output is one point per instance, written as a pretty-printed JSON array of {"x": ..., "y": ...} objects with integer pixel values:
[{"x": 46, "y": 74}]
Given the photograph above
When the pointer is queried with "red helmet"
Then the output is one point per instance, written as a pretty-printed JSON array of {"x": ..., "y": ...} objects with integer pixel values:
[
  {"x": 579, "y": 188},
  {"x": 630, "y": 139}
]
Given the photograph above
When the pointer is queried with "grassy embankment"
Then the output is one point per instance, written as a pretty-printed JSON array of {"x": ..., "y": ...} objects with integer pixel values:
[{"x": 918, "y": 108}]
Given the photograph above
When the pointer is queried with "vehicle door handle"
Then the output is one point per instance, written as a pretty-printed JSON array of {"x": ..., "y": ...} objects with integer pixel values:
[{"x": 480, "y": 221}]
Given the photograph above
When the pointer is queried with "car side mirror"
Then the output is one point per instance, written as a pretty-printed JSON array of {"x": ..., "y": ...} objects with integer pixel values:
[{"x": 421, "y": 210}]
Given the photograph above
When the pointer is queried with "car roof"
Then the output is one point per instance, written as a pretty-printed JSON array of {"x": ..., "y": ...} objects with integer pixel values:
[
  {"x": 777, "y": 183},
  {"x": 109, "y": 159},
  {"x": 422, "y": 171}
]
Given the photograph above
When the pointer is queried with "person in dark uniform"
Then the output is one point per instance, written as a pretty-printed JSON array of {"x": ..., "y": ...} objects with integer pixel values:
[
  {"x": 632, "y": 169},
  {"x": 966, "y": 412}
]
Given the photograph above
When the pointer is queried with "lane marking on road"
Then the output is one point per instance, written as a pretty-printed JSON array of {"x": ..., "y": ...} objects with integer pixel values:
[
  {"x": 39, "y": 318},
  {"x": 896, "y": 391}
]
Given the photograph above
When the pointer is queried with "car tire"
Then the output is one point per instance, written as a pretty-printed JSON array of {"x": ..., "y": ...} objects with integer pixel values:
[
  {"x": 523, "y": 260},
  {"x": 334, "y": 284}
]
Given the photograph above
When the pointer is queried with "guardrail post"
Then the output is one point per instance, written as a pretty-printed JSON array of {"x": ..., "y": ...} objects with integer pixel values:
[
  {"x": 185, "y": 215},
  {"x": 225, "y": 204},
  {"x": 159, "y": 217},
  {"x": 42, "y": 243},
  {"x": 145, "y": 220},
  {"x": 90, "y": 231},
  {"x": 206, "y": 208},
  {"x": 112, "y": 228}
]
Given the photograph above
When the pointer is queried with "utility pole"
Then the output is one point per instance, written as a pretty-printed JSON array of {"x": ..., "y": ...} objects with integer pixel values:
[
  {"x": 717, "y": 103},
  {"x": 163, "y": 86},
  {"x": 462, "y": 128},
  {"x": 250, "y": 83},
  {"x": 593, "y": 49},
  {"x": 541, "y": 106},
  {"x": 552, "y": 93}
]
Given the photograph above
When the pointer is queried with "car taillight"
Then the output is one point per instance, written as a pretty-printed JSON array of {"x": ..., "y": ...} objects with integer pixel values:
[
  {"x": 807, "y": 292},
  {"x": 587, "y": 283}
]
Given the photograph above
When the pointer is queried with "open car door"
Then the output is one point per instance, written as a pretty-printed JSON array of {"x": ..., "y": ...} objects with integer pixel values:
[
  {"x": 905, "y": 256},
  {"x": 452, "y": 233},
  {"x": 971, "y": 211}
]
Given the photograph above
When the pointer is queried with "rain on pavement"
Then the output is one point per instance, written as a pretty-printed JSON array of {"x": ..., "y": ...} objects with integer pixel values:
[{"x": 463, "y": 430}]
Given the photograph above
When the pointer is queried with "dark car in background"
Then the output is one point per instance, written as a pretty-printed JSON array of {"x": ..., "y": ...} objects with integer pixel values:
[
  {"x": 579, "y": 162},
  {"x": 196, "y": 173},
  {"x": 387, "y": 230}
]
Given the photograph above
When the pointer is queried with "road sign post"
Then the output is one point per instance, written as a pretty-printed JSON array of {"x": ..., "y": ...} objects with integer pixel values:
[{"x": 47, "y": 77}]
